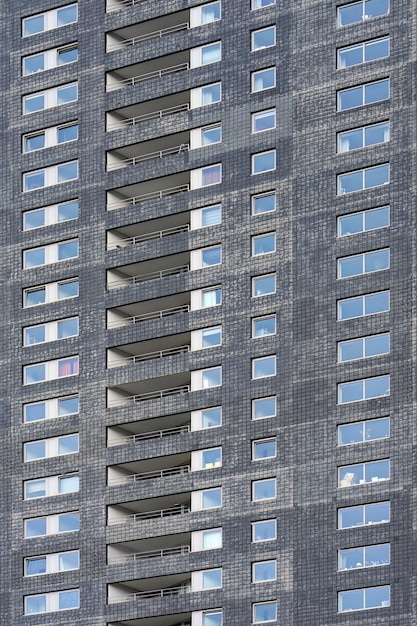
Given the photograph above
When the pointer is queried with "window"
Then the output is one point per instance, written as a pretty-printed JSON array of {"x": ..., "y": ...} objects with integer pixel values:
[
  {"x": 264, "y": 203},
  {"x": 354, "y": 223},
  {"x": 264, "y": 489},
  {"x": 363, "y": 473},
  {"x": 263, "y": 79},
  {"x": 205, "y": 257},
  {"x": 359, "y": 432},
  {"x": 205, "y": 298},
  {"x": 205, "y": 136},
  {"x": 206, "y": 579},
  {"x": 361, "y": 599},
  {"x": 365, "y": 263},
  {"x": 263, "y": 162},
  {"x": 264, "y": 449},
  {"x": 50, "y": 331},
  {"x": 206, "y": 176},
  {"x": 49, "y": 59},
  {"x": 263, "y": 38},
  {"x": 363, "y": 137},
  {"x": 264, "y": 120},
  {"x": 206, "y": 418},
  {"x": 205, "y": 55},
  {"x": 266, "y": 530},
  {"x": 363, "y": 94},
  {"x": 49, "y": 176},
  {"x": 367, "y": 556},
  {"x": 363, "y": 347},
  {"x": 364, "y": 515},
  {"x": 359, "y": 11},
  {"x": 50, "y": 370},
  {"x": 52, "y": 253},
  {"x": 50, "y": 98},
  {"x": 263, "y": 612},
  {"x": 263, "y": 285},
  {"x": 206, "y": 338},
  {"x": 206, "y": 216},
  {"x": 50, "y": 486},
  {"x": 48, "y": 448},
  {"x": 52, "y": 524},
  {"x": 210, "y": 539},
  {"x": 53, "y": 601},
  {"x": 49, "y": 20},
  {"x": 363, "y": 52},
  {"x": 264, "y": 571},
  {"x": 51, "y": 292},
  {"x": 369, "y": 304},
  {"x": 49, "y": 409},
  {"x": 206, "y": 459},
  {"x": 264, "y": 407},
  {"x": 365, "y": 389},
  {"x": 50, "y": 137},
  {"x": 263, "y": 244},
  {"x": 205, "y": 95},
  {"x": 206, "y": 499},
  {"x": 212, "y": 618},
  {"x": 363, "y": 179},
  {"x": 54, "y": 214},
  {"x": 206, "y": 378},
  {"x": 264, "y": 326},
  {"x": 52, "y": 563},
  {"x": 263, "y": 367},
  {"x": 205, "y": 14}
]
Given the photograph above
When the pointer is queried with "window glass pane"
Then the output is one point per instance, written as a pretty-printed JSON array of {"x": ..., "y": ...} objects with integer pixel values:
[
  {"x": 264, "y": 326},
  {"x": 35, "y": 373},
  {"x": 35, "y": 412},
  {"x": 35, "y": 527},
  {"x": 210, "y": 13},
  {"x": 67, "y": 406},
  {"x": 31, "y": 104},
  {"x": 34, "y": 335},
  {"x": 265, "y": 570},
  {"x": 211, "y": 458},
  {"x": 211, "y": 215},
  {"x": 211, "y": 135},
  {"x": 264, "y": 120},
  {"x": 35, "y": 142},
  {"x": 348, "y": 183},
  {"x": 263, "y": 244},
  {"x": 263, "y": 38},
  {"x": 68, "y": 522},
  {"x": 211, "y": 94},
  {"x": 68, "y": 328},
  {"x": 67, "y": 15},
  {"x": 35, "y": 297},
  {"x": 350, "y": 600},
  {"x": 68, "y": 289},
  {"x": 212, "y": 539},
  {"x": 263, "y": 162},
  {"x": 264, "y": 449},
  {"x": 211, "y": 297},
  {"x": 264, "y": 531},
  {"x": 67, "y": 94},
  {"x": 212, "y": 579},
  {"x": 377, "y": 513},
  {"x": 213, "y": 619},
  {"x": 67, "y": 133},
  {"x": 34, "y": 219},
  {"x": 35, "y": 450},
  {"x": 264, "y": 489},
  {"x": 68, "y": 599},
  {"x": 263, "y": 285},
  {"x": 259, "y": 4},
  {"x": 211, "y": 377},
  {"x": 67, "y": 56},
  {"x": 211, "y": 417},
  {"x": 211, "y": 337},
  {"x": 377, "y": 429},
  {"x": 376, "y": 471},
  {"x": 375, "y": 92},
  {"x": 263, "y": 79},
  {"x": 264, "y": 407},
  {"x": 67, "y": 445},
  {"x": 68, "y": 171},
  {"x": 376, "y": 261},
  {"x": 264, "y": 612},
  {"x": 67, "y": 211},
  {"x": 69, "y": 484},
  {"x": 68, "y": 367},
  {"x": 35, "y": 489},
  {"x": 350, "y": 98},
  {"x": 351, "y": 433},
  {"x": 68, "y": 561},
  {"x": 264, "y": 367},
  {"x": 350, "y": 224},
  {"x": 210, "y": 53},
  {"x": 33, "y": 25},
  {"x": 211, "y": 256},
  {"x": 264, "y": 204},
  {"x": 211, "y": 175},
  {"x": 34, "y": 180},
  {"x": 35, "y": 566},
  {"x": 34, "y": 64},
  {"x": 35, "y": 604},
  {"x": 376, "y": 176},
  {"x": 350, "y": 56},
  {"x": 376, "y": 597},
  {"x": 377, "y": 555},
  {"x": 67, "y": 250},
  {"x": 212, "y": 498}
]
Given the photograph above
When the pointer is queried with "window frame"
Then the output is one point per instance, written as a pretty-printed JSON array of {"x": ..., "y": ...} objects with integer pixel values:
[
  {"x": 364, "y": 438},
  {"x": 364, "y": 16},
  {"x": 363, "y": 563},
  {"x": 363, "y": 214},
  {"x": 340, "y": 108},
  {"x": 255, "y": 239},
  {"x": 260, "y": 277},
  {"x": 363, "y": 382},
  {"x": 264, "y": 70},
  {"x": 271, "y": 27},
  {"x": 255, "y": 565},
  {"x": 255, "y": 400},
  {"x": 52, "y": 524},
  {"x": 264, "y": 359},
  {"x": 364, "y": 343},
  {"x": 52, "y": 447},
  {"x": 363, "y": 129},
  {"x": 363, "y": 45},
  {"x": 255, "y": 605},
  {"x": 364, "y": 256},
  {"x": 52, "y": 563},
  {"x": 52, "y": 601},
  {"x": 362, "y": 470},
  {"x": 51, "y": 290},
  {"x": 255, "y": 171},
  {"x": 50, "y": 59},
  {"x": 271, "y": 479},
  {"x": 51, "y": 253},
  {"x": 364, "y": 590},
  {"x": 362, "y": 299},
  {"x": 51, "y": 408},
  {"x": 257, "y": 442},
  {"x": 267, "y": 194},
  {"x": 364, "y": 508},
  {"x": 256, "y": 320},
  {"x": 51, "y": 19},
  {"x": 273, "y": 537},
  {"x": 50, "y": 98},
  {"x": 341, "y": 191}
]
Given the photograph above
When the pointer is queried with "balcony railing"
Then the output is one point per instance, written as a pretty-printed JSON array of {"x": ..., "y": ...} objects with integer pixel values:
[
  {"x": 157, "y": 234},
  {"x": 132, "y": 121},
  {"x": 149, "y": 316},
  {"x": 159, "y": 154},
  {"x": 134, "y": 280},
  {"x": 148, "y": 356},
  {"x": 150, "y": 395},
  {"x": 154, "y": 593},
  {"x": 155, "y": 434},
  {"x": 163, "y": 473},
  {"x": 152, "y": 554},
  {"x": 179, "y": 509},
  {"x": 146, "y": 36},
  {"x": 152, "y": 195},
  {"x": 123, "y": 4},
  {"x": 134, "y": 80}
]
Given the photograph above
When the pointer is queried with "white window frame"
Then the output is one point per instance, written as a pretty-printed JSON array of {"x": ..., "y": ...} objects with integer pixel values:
[
  {"x": 255, "y": 400},
  {"x": 363, "y": 45},
  {"x": 197, "y": 338},
  {"x": 50, "y": 58},
  {"x": 51, "y": 214},
  {"x": 364, "y": 171},
  {"x": 51, "y": 292},
  {"x": 197, "y": 216},
  {"x": 364, "y": 256},
  {"x": 197, "y": 54},
  {"x": 363, "y": 215},
  {"x": 364, "y": 590},
  {"x": 197, "y": 456},
  {"x": 51, "y": 19},
  {"x": 197, "y": 17},
  {"x": 264, "y": 580},
  {"x": 363, "y": 423},
  {"x": 264, "y": 480},
  {"x": 265, "y": 113},
  {"x": 197, "y": 378},
  {"x": 362, "y": 300},
  {"x": 197, "y": 297},
  {"x": 260, "y": 71},
  {"x": 197, "y": 579},
  {"x": 52, "y": 486},
  {"x": 272, "y": 521},
  {"x": 52, "y": 600},
  {"x": 256, "y": 238},
  {"x": 267, "y": 194},
  {"x": 344, "y": 480},
  {"x": 51, "y": 447},
  {"x": 257, "y": 360},
  {"x": 256, "y": 442},
  {"x": 196, "y": 258},
  {"x": 364, "y": 508},
  {"x": 51, "y": 253},
  {"x": 261, "y": 295},
  {"x": 364, "y": 341},
  {"x": 51, "y": 136},
  {"x": 263, "y": 621},
  {"x": 197, "y": 136},
  {"x": 362, "y": 564},
  {"x": 363, "y": 382},
  {"x": 197, "y": 95},
  {"x": 197, "y": 176},
  {"x": 52, "y": 524},
  {"x": 50, "y": 98},
  {"x": 51, "y": 369},
  {"x": 255, "y": 320},
  {"x": 262, "y": 4},
  {"x": 198, "y": 416},
  {"x": 51, "y": 176},
  {"x": 52, "y": 563},
  {"x": 198, "y": 496},
  {"x": 363, "y": 130},
  {"x": 197, "y": 539},
  {"x": 51, "y": 331},
  {"x": 256, "y": 156},
  {"x": 259, "y": 30},
  {"x": 364, "y": 15},
  {"x": 52, "y": 408},
  {"x": 364, "y": 89}
]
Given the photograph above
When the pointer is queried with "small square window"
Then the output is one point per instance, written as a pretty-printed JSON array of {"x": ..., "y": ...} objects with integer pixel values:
[
  {"x": 211, "y": 579},
  {"x": 264, "y": 407},
  {"x": 263, "y": 79},
  {"x": 264, "y": 489},
  {"x": 266, "y": 530},
  {"x": 264, "y": 203},
  {"x": 263, "y": 38},
  {"x": 211, "y": 337},
  {"x": 211, "y": 297},
  {"x": 264, "y": 326},
  {"x": 264, "y": 367},
  {"x": 263, "y": 162},
  {"x": 264, "y": 120},
  {"x": 264, "y": 449},
  {"x": 211, "y": 498},
  {"x": 264, "y": 612},
  {"x": 211, "y": 256},
  {"x": 67, "y": 133},
  {"x": 263, "y": 244},
  {"x": 264, "y": 571},
  {"x": 263, "y": 285}
]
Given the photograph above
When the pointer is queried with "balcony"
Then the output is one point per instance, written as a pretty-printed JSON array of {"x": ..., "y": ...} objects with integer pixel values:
[
  {"x": 157, "y": 428},
  {"x": 154, "y": 269},
  {"x": 153, "y": 548},
  {"x": 148, "y": 70},
  {"x": 160, "y": 508},
  {"x": 180, "y": 619},
  {"x": 153, "y": 189},
  {"x": 159, "y": 308},
  {"x": 134, "y": 34},
  {"x": 127, "y": 394},
  {"x": 156, "y": 348},
  {"x": 149, "y": 588},
  {"x": 139, "y": 113},
  {"x": 148, "y": 469},
  {"x": 148, "y": 150},
  {"x": 134, "y": 234}
]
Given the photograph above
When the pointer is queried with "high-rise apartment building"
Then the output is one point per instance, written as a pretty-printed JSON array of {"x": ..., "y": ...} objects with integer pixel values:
[{"x": 208, "y": 346}]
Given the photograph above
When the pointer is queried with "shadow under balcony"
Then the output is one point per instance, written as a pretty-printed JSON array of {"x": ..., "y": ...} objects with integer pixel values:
[
  {"x": 180, "y": 619},
  {"x": 160, "y": 508},
  {"x": 156, "y": 348},
  {"x": 147, "y": 429},
  {"x": 140, "y": 112},
  {"x": 148, "y": 70},
  {"x": 154, "y": 269},
  {"x": 126, "y": 394},
  {"x": 148, "y": 469},
  {"x": 152, "y": 189},
  {"x": 133, "y": 154},
  {"x": 149, "y": 588},
  {"x": 134, "y": 34},
  {"x": 153, "y": 548},
  {"x": 134, "y": 234},
  {"x": 158, "y": 308}
]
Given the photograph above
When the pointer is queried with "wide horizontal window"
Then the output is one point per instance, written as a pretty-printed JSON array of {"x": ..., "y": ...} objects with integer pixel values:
[
  {"x": 264, "y": 285},
  {"x": 49, "y": 20},
  {"x": 49, "y": 409},
  {"x": 363, "y": 347},
  {"x": 363, "y": 179},
  {"x": 50, "y": 331},
  {"x": 369, "y": 304},
  {"x": 359, "y": 432},
  {"x": 365, "y": 263},
  {"x": 363, "y": 137},
  {"x": 51, "y": 292},
  {"x": 48, "y": 448},
  {"x": 366, "y": 556},
  {"x": 50, "y": 370},
  {"x": 263, "y": 408},
  {"x": 51, "y": 486},
  {"x": 363, "y": 52},
  {"x": 365, "y": 389},
  {"x": 363, "y": 94},
  {"x": 52, "y": 563},
  {"x": 360, "y": 222},
  {"x": 263, "y": 38},
  {"x": 49, "y": 176},
  {"x": 360, "y": 11},
  {"x": 361, "y": 599},
  {"x": 52, "y": 524},
  {"x": 53, "y": 601},
  {"x": 57, "y": 96},
  {"x": 48, "y": 215},
  {"x": 52, "y": 253},
  {"x": 364, "y": 515},
  {"x": 264, "y": 203},
  {"x": 49, "y": 59},
  {"x": 363, "y": 473},
  {"x": 53, "y": 136},
  {"x": 263, "y": 79}
]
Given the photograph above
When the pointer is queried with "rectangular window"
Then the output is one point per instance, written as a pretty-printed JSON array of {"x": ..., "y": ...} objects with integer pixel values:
[
  {"x": 206, "y": 338},
  {"x": 361, "y": 599},
  {"x": 360, "y": 432},
  {"x": 263, "y": 38},
  {"x": 205, "y": 14},
  {"x": 263, "y": 408},
  {"x": 206, "y": 216},
  {"x": 364, "y": 515},
  {"x": 206, "y": 459},
  {"x": 205, "y": 257},
  {"x": 50, "y": 331},
  {"x": 52, "y": 253},
  {"x": 210, "y": 539},
  {"x": 363, "y": 347},
  {"x": 206, "y": 378},
  {"x": 266, "y": 530},
  {"x": 264, "y": 326},
  {"x": 48, "y": 448},
  {"x": 205, "y": 95},
  {"x": 263, "y": 162},
  {"x": 52, "y": 292},
  {"x": 365, "y": 263},
  {"x": 264, "y": 203},
  {"x": 366, "y": 556},
  {"x": 50, "y": 486},
  {"x": 205, "y": 55},
  {"x": 50, "y": 137},
  {"x": 263, "y": 285},
  {"x": 211, "y": 297},
  {"x": 371, "y": 219},
  {"x": 263, "y": 244},
  {"x": 211, "y": 618},
  {"x": 263, "y": 120},
  {"x": 363, "y": 473},
  {"x": 50, "y": 370},
  {"x": 52, "y": 563},
  {"x": 264, "y": 571},
  {"x": 50, "y": 409},
  {"x": 206, "y": 418},
  {"x": 264, "y": 612},
  {"x": 206, "y": 579},
  {"x": 264, "y": 367},
  {"x": 49, "y": 59},
  {"x": 363, "y": 137},
  {"x": 206, "y": 176},
  {"x": 48, "y": 215},
  {"x": 264, "y": 449},
  {"x": 369, "y": 304},
  {"x": 363, "y": 52},
  {"x": 49, "y": 176},
  {"x": 49, "y": 20},
  {"x": 363, "y": 94},
  {"x": 264, "y": 489},
  {"x": 205, "y": 136},
  {"x": 359, "y": 180},
  {"x": 365, "y": 389},
  {"x": 50, "y": 98},
  {"x": 52, "y": 524},
  {"x": 360, "y": 11},
  {"x": 53, "y": 601},
  {"x": 206, "y": 499},
  {"x": 263, "y": 79}
]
